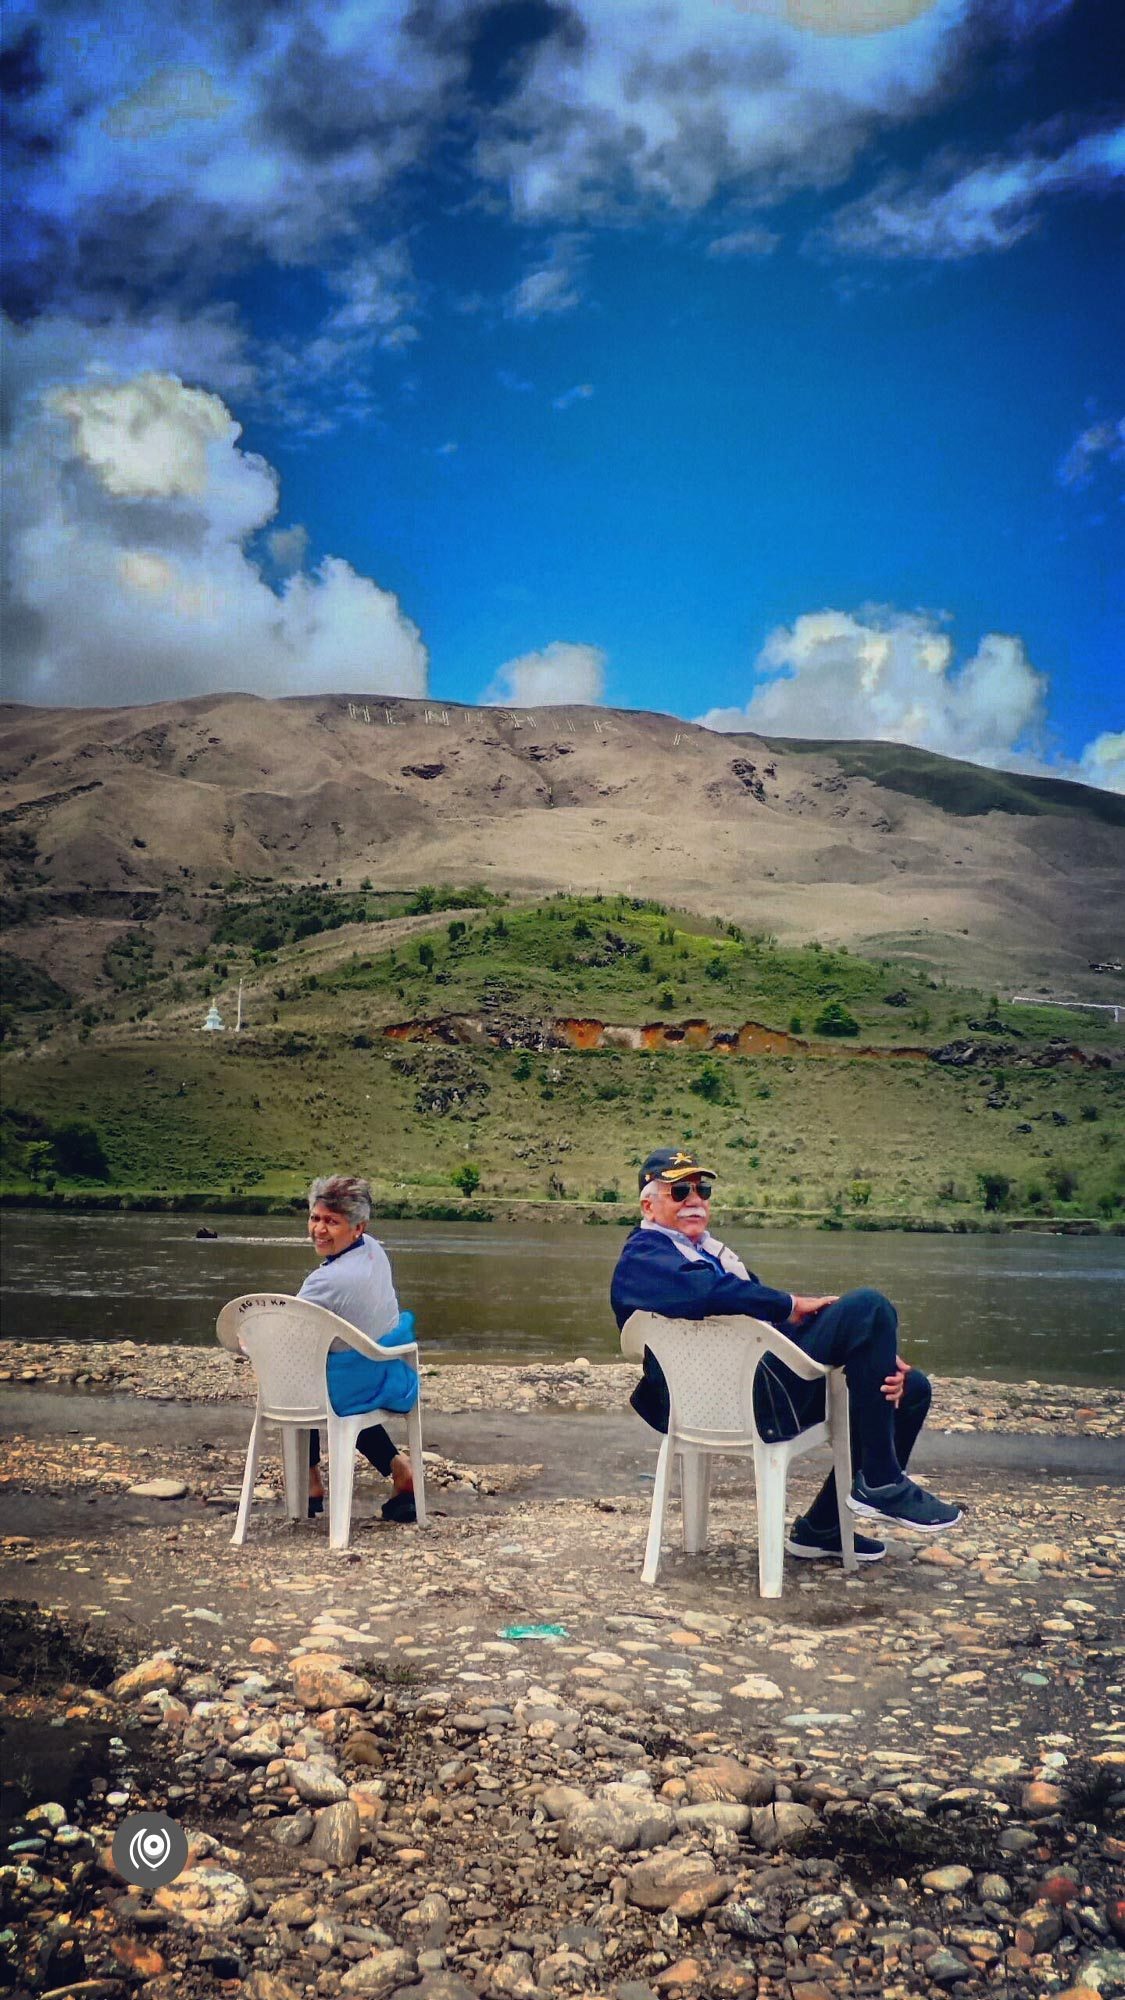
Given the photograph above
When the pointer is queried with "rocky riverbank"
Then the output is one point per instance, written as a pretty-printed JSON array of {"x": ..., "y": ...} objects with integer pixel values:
[
  {"x": 910, "y": 1782},
  {"x": 210, "y": 1375}
]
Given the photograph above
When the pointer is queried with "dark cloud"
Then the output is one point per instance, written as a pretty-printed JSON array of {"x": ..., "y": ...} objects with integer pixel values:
[
  {"x": 21, "y": 70},
  {"x": 503, "y": 40}
]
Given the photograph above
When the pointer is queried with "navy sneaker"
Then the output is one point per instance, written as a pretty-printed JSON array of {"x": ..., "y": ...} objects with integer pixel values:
[
  {"x": 903, "y": 1505},
  {"x": 824, "y": 1544}
]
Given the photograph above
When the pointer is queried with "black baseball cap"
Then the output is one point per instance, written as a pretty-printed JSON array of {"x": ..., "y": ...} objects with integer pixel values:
[{"x": 671, "y": 1163}]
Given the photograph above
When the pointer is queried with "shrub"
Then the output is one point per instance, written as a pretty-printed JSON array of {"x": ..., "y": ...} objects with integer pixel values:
[
  {"x": 834, "y": 1019},
  {"x": 994, "y": 1189},
  {"x": 1064, "y": 1182},
  {"x": 467, "y": 1178},
  {"x": 796, "y": 1025},
  {"x": 709, "y": 1085}
]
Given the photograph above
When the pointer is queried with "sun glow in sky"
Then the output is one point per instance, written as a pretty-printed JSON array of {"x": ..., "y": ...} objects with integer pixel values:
[{"x": 755, "y": 360}]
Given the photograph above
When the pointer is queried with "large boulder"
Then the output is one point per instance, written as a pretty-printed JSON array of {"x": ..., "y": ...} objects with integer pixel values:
[
  {"x": 380, "y": 1973},
  {"x": 621, "y": 1816},
  {"x": 658, "y": 1883},
  {"x": 336, "y": 1835},
  {"x": 747, "y": 1783},
  {"x": 209, "y": 1899},
  {"x": 784, "y": 1824},
  {"x": 324, "y": 1680},
  {"x": 316, "y": 1783},
  {"x": 160, "y": 1671}
]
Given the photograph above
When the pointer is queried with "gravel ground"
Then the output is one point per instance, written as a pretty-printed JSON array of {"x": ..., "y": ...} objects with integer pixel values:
[
  {"x": 910, "y": 1782},
  {"x": 210, "y": 1375}
]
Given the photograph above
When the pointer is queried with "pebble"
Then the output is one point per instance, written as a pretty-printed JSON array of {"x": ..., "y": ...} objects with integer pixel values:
[{"x": 948, "y": 1880}]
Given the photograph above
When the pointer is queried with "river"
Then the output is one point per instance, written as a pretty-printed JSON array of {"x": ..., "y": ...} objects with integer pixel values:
[{"x": 1048, "y": 1307}]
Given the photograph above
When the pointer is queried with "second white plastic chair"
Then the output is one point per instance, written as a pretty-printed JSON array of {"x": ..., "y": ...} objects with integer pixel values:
[
  {"x": 709, "y": 1366},
  {"x": 286, "y": 1341}
]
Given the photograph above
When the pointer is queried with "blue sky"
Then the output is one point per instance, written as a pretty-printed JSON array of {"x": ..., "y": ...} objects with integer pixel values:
[{"x": 756, "y": 360}]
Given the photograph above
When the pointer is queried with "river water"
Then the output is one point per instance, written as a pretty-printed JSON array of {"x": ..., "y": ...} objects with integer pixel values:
[{"x": 1048, "y": 1307}]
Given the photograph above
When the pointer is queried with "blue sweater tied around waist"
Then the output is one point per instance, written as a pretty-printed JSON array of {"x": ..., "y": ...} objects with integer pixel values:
[{"x": 357, "y": 1384}]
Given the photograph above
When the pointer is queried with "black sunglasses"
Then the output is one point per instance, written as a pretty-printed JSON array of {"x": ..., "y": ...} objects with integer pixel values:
[{"x": 680, "y": 1190}]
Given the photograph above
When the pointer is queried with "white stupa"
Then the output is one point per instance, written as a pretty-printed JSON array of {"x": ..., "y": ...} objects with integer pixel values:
[{"x": 214, "y": 1022}]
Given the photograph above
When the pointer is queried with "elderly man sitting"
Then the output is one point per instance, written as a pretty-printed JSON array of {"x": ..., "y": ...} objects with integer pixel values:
[
  {"x": 354, "y": 1280},
  {"x": 673, "y": 1265}
]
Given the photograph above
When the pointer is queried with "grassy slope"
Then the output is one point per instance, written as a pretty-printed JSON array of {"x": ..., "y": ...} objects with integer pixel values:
[
  {"x": 177, "y": 1111},
  {"x": 958, "y": 787}
]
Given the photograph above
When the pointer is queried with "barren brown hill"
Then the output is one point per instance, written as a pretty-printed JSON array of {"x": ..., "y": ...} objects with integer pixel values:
[{"x": 993, "y": 878}]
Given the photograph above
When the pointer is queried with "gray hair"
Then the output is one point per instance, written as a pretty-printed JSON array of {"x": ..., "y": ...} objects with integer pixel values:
[
  {"x": 346, "y": 1194},
  {"x": 647, "y": 1192}
]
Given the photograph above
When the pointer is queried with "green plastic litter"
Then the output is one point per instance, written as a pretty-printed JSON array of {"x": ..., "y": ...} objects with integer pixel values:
[{"x": 535, "y": 1632}]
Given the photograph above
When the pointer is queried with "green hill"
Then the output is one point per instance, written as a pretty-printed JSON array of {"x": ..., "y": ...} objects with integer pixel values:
[{"x": 983, "y": 1110}]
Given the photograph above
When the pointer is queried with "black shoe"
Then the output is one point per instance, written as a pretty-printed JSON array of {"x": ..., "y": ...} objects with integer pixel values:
[
  {"x": 824, "y": 1544},
  {"x": 316, "y": 1506},
  {"x": 903, "y": 1505},
  {"x": 400, "y": 1507}
]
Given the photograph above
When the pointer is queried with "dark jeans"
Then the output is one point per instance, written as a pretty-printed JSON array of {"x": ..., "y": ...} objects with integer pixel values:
[
  {"x": 858, "y": 1333},
  {"x": 374, "y": 1443}
]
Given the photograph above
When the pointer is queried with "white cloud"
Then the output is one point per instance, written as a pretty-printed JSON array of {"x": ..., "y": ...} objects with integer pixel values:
[
  {"x": 965, "y": 210},
  {"x": 558, "y": 675},
  {"x": 1102, "y": 762},
  {"x": 581, "y": 393},
  {"x": 1097, "y": 442},
  {"x": 753, "y": 242},
  {"x": 165, "y": 99},
  {"x": 149, "y": 439},
  {"x": 57, "y": 350},
  {"x": 236, "y": 133},
  {"x": 377, "y": 294},
  {"x": 550, "y": 289},
  {"x": 129, "y": 507},
  {"x": 891, "y": 676},
  {"x": 664, "y": 102}
]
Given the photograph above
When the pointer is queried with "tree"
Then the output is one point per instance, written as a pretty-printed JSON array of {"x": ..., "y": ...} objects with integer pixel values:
[
  {"x": 38, "y": 1157},
  {"x": 834, "y": 1019},
  {"x": 995, "y": 1189},
  {"x": 79, "y": 1153},
  {"x": 426, "y": 955},
  {"x": 467, "y": 1178}
]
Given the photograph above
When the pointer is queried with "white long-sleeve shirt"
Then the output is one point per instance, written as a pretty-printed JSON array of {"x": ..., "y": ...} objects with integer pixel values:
[{"x": 357, "y": 1284}]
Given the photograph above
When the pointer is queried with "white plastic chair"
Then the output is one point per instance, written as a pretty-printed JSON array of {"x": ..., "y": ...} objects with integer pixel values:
[
  {"x": 286, "y": 1341},
  {"x": 709, "y": 1367}
]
